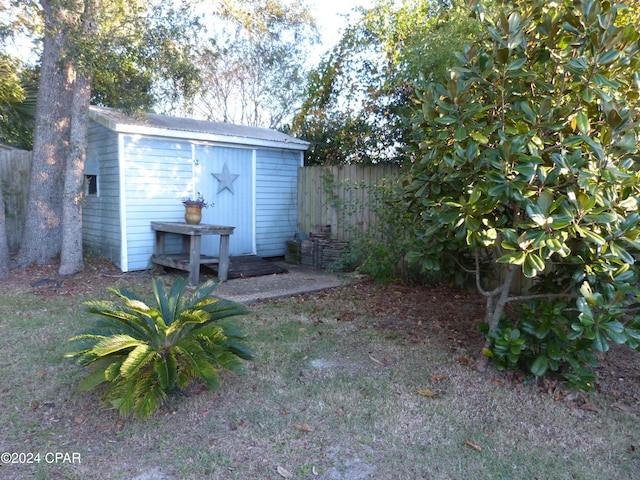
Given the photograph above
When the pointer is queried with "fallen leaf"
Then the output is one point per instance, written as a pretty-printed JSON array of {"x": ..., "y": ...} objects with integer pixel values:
[
  {"x": 372, "y": 358},
  {"x": 463, "y": 361},
  {"x": 284, "y": 472},
  {"x": 475, "y": 446},
  {"x": 438, "y": 378},
  {"x": 590, "y": 407},
  {"x": 427, "y": 393},
  {"x": 303, "y": 427},
  {"x": 622, "y": 407}
]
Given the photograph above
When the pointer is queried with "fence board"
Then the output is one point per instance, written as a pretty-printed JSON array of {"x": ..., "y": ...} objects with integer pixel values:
[
  {"x": 15, "y": 170},
  {"x": 315, "y": 206}
]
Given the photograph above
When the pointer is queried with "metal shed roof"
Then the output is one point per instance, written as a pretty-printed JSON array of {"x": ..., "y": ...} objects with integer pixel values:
[{"x": 187, "y": 128}]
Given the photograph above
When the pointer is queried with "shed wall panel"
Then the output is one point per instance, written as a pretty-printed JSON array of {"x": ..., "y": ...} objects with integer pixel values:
[
  {"x": 158, "y": 175},
  {"x": 276, "y": 200},
  {"x": 101, "y": 213}
]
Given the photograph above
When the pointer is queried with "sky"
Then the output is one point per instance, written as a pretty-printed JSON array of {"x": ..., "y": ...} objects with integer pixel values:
[{"x": 331, "y": 17}]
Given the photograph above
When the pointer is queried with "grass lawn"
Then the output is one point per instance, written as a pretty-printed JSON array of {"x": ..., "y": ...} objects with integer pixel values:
[{"x": 359, "y": 382}]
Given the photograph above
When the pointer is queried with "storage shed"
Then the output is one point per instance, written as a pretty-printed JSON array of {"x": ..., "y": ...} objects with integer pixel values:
[{"x": 139, "y": 169}]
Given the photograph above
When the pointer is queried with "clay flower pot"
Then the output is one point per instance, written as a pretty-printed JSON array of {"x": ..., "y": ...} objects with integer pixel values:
[
  {"x": 192, "y": 214},
  {"x": 193, "y": 209}
]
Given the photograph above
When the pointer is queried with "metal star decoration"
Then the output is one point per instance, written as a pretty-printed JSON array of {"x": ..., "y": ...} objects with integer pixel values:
[{"x": 225, "y": 179}]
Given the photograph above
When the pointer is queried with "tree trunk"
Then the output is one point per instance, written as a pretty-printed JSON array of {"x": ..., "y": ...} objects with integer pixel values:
[
  {"x": 71, "y": 248},
  {"x": 71, "y": 259},
  {"x": 495, "y": 310},
  {"x": 41, "y": 237}
]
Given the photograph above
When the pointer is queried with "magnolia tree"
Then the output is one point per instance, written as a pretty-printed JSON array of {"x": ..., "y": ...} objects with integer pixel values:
[{"x": 529, "y": 166}]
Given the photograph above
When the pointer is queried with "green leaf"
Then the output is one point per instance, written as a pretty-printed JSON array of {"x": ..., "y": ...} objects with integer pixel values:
[
  {"x": 608, "y": 56},
  {"x": 553, "y": 350},
  {"x": 514, "y": 258},
  {"x": 540, "y": 365},
  {"x": 600, "y": 342},
  {"x": 516, "y": 64},
  {"x": 591, "y": 235},
  {"x": 582, "y": 122},
  {"x": 479, "y": 137},
  {"x": 621, "y": 253}
]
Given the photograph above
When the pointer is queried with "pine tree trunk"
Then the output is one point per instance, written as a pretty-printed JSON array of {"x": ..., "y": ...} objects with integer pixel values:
[
  {"x": 71, "y": 258},
  {"x": 41, "y": 238}
]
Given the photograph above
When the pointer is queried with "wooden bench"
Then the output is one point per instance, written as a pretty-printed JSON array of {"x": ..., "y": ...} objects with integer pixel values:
[{"x": 190, "y": 258}]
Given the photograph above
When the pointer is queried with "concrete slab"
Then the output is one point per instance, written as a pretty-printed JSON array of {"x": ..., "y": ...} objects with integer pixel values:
[{"x": 297, "y": 280}]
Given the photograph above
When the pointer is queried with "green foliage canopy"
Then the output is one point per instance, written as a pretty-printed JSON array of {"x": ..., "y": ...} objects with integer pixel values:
[
  {"x": 527, "y": 155},
  {"x": 359, "y": 98}
]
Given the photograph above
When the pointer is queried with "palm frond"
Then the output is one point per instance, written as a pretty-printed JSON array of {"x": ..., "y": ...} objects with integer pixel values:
[
  {"x": 168, "y": 303},
  {"x": 240, "y": 349},
  {"x": 224, "y": 308},
  {"x": 97, "y": 377},
  {"x": 198, "y": 360},
  {"x": 123, "y": 396},
  {"x": 166, "y": 370},
  {"x": 186, "y": 322},
  {"x": 125, "y": 294},
  {"x": 148, "y": 402},
  {"x": 115, "y": 343},
  {"x": 120, "y": 314},
  {"x": 229, "y": 361},
  {"x": 112, "y": 372},
  {"x": 202, "y": 294},
  {"x": 231, "y": 329},
  {"x": 137, "y": 359}
]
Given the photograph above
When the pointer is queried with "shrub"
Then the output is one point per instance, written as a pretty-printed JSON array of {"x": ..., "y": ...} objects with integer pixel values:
[
  {"x": 143, "y": 352},
  {"x": 529, "y": 158}
]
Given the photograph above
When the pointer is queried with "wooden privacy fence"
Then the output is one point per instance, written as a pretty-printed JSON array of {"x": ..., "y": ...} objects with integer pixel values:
[
  {"x": 15, "y": 169},
  {"x": 325, "y": 192}
]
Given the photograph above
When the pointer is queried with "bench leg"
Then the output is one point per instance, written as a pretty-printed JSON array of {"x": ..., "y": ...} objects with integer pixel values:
[
  {"x": 194, "y": 260},
  {"x": 223, "y": 260}
]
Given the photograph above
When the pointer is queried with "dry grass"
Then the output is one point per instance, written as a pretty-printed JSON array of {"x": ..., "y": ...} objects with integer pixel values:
[{"x": 332, "y": 395}]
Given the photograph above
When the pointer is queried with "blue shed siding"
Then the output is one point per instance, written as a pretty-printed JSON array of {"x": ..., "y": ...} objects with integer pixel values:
[
  {"x": 276, "y": 200},
  {"x": 101, "y": 213},
  {"x": 143, "y": 175},
  {"x": 158, "y": 174}
]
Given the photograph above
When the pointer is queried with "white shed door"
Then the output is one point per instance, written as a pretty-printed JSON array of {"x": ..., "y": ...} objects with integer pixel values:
[{"x": 224, "y": 177}]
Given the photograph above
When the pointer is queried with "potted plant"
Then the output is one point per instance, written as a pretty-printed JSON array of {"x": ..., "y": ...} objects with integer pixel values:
[{"x": 193, "y": 209}]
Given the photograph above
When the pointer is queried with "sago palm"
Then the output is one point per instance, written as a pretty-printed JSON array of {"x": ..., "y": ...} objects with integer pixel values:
[{"x": 144, "y": 352}]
